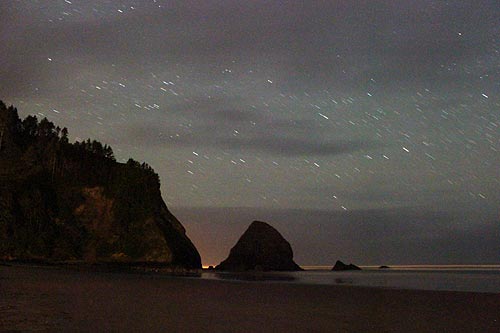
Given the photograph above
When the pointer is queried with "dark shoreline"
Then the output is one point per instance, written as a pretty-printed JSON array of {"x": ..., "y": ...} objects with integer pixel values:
[{"x": 164, "y": 270}]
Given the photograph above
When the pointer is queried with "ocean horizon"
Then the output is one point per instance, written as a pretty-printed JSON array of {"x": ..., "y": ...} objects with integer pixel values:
[
  {"x": 483, "y": 278},
  {"x": 415, "y": 267}
]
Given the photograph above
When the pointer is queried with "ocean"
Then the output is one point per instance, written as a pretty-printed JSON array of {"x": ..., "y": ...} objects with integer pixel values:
[{"x": 473, "y": 278}]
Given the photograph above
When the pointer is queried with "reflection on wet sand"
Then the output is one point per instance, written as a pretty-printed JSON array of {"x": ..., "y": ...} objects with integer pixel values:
[{"x": 250, "y": 276}]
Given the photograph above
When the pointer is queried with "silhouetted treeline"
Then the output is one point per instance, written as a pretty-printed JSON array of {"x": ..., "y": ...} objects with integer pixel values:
[{"x": 45, "y": 145}]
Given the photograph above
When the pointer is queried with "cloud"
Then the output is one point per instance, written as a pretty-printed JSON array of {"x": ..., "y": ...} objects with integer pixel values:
[
  {"x": 317, "y": 41},
  {"x": 290, "y": 147},
  {"x": 269, "y": 143},
  {"x": 220, "y": 123}
]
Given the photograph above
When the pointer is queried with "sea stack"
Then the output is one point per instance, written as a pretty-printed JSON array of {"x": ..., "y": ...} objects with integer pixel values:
[
  {"x": 261, "y": 247},
  {"x": 340, "y": 266}
]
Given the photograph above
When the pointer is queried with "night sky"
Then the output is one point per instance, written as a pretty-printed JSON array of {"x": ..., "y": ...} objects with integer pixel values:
[{"x": 367, "y": 131}]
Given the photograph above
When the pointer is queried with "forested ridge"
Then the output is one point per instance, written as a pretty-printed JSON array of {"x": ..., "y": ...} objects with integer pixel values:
[{"x": 73, "y": 201}]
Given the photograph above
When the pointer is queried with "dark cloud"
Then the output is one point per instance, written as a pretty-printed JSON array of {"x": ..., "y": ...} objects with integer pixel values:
[
  {"x": 267, "y": 142},
  {"x": 221, "y": 123},
  {"x": 292, "y": 147},
  {"x": 215, "y": 109}
]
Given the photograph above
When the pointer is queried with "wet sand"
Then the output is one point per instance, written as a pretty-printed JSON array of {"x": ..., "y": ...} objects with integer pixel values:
[{"x": 53, "y": 299}]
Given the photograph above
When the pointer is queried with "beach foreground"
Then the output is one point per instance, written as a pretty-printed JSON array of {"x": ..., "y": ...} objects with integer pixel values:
[{"x": 53, "y": 299}]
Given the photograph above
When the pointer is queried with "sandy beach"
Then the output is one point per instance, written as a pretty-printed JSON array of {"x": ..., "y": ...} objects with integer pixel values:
[{"x": 54, "y": 299}]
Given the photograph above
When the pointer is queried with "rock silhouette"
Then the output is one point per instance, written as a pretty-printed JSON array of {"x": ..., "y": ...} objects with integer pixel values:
[
  {"x": 261, "y": 247},
  {"x": 73, "y": 201},
  {"x": 340, "y": 266}
]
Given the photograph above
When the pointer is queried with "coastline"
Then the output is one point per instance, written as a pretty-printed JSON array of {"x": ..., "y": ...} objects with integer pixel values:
[{"x": 43, "y": 298}]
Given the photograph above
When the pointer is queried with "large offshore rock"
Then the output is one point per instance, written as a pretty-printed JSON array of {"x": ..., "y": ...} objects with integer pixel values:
[
  {"x": 261, "y": 247},
  {"x": 73, "y": 201}
]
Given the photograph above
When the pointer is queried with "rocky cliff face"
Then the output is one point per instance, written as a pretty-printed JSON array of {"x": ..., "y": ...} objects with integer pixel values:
[
  {"x": 63, "y": 201},
  {"x": 261, "y": 247}
]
